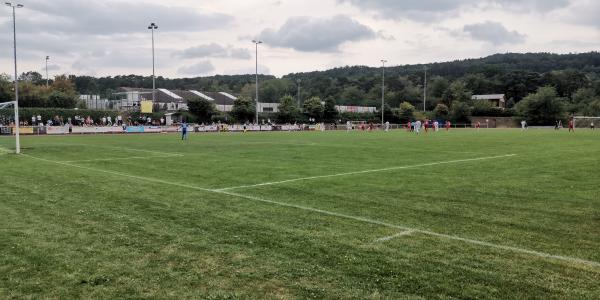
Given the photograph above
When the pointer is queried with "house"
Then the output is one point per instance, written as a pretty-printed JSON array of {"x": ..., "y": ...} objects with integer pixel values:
[{"x": 497, "y": 100}]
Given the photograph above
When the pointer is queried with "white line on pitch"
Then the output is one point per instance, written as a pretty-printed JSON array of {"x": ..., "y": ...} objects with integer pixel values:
[
  {"x": 115, "y": 147},
  {"x": 123, "y": 158},
  {"x": 367, "y": 171},
  {"x": 340, "y": 215},
  {"x": 391, "y": 237}
]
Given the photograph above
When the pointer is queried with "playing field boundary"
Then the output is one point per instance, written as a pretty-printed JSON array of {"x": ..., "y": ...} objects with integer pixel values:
[
  {"x": 544, "y": 255},
  {"x": 366, "y": 172}
]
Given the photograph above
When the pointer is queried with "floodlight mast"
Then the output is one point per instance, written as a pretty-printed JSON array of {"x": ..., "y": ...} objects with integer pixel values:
[
  {"x": 425, "y": 90},
  {"x": 47, "y": 78},
  {"x": 383, "y": 61},
  {"x": 256, "y": 43},
  {"x": 152, "y": 27},
  {"x": 17, "y": 138}
]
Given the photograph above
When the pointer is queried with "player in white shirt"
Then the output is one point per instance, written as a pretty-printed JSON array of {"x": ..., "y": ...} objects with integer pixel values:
[
  {"x": 436, "y": 126},
  {"x": 418, "y": 126},
  {"x": 387, "y": 126}
]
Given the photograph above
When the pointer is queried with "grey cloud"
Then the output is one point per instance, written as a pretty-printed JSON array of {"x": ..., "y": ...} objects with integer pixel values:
[
  {"x": 199, "y": 68},
  {"x": 585, "y": 13},
  {"x": 494, "y": 33},
  {"x": 430, "y": 10},
  {"x": 209, "y": 50},
  {"x": 240, "y": 53},
  {"x": 317, "y": 34},
  {"x": 110, "y": 17},
  {"x": 213, "y": 50}
]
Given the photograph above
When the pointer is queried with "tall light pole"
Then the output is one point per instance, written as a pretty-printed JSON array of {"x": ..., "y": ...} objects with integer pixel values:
[
  {"x": 18, "y": 141},
  {"x": 425, "y": 90},
  {"x": 256, "y": 43},
  {"x": 47, "y": 78},
  {"x": 383, "y": 61},
  {"x": 299, "y": 81},
  {"x": 153, "y": 27}
]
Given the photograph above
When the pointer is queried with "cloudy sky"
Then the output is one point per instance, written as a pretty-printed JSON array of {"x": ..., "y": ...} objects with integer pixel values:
[{"x": 199, "y": 38}]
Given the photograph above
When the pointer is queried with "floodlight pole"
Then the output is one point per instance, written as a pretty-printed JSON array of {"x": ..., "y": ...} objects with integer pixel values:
[
  {"x": 383, "y": 61},
  {"x": 425, "y": 91},
  {"x": 152, "y": 27},
  {"x": 47, "y": 78},
  {"x": 256, "y": 43},
  {"x": 299, "y": 81},
  {"x": 17, "y": 138}
]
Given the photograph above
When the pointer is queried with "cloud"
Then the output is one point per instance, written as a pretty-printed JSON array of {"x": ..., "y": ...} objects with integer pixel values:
[
  {"x": 584, "y": 13},
  {"x": 213, "y": 50},
  {"x": 199, "y": 68},
  {"x": 494, "y": 33},
  {"x": 317, "y": 34},
  {"x": 209, "y": 50},
  {"x": 111, "y": 17},
  {"x": 431, "y": 10}
]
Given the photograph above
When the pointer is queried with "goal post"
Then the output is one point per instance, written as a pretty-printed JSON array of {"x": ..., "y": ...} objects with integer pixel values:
[
  {"x": 585, "y": 122},
  {"x": 15, "y": 107}
]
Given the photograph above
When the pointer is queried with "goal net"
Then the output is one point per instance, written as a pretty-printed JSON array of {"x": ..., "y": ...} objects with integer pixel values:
[
  {"x": 586, "y": 122},
  {"x": 8, "y": 125}
]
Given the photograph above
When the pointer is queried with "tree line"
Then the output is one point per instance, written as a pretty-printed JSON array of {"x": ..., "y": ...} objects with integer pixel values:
[{"x": 571, "y": 83}]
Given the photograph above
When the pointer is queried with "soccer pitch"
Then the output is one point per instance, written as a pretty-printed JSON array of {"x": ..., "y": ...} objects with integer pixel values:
[{"x": 459, "y": 214}]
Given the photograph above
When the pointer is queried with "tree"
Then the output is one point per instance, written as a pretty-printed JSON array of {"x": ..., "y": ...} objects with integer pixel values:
[
  {"x": 6, "y": 88},
  {"x": 441, "y": 112},
  {"x": 457, "y": 91},
  {"x": 313, "y": 108},
  {"x": 61, "y": 100},
  {"x": 406, "y": 112},
  {"x": 202, "y": 109},
  {"x": 243, "y": 109},
  {"x": 288, "y": 110},
  {"x": 330, "y": 113},
  {"x": 542, "y": 108},
  {"x": 460, "y": 112}
]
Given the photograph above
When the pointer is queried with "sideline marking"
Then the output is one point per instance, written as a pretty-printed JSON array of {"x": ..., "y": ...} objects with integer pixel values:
[
  {"x": 123, "y": 158},
  {"x": 365, "y": 172},
  {"x": 344, "y": 216},
  {"x": 391, "y": 237}
]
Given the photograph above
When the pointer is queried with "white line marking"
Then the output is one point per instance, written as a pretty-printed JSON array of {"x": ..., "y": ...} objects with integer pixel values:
[
  {"x": 391, "y": 237},
  {"x": 115, "y": 147},
  {"x": 123, "y": 158},
  {"x": 366, "y": 171},
  {"x": 344, "y": 216}
]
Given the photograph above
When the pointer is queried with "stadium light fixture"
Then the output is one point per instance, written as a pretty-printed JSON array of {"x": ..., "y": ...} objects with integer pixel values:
[
  {"x": 17, "y": 138},
  {"x": 383, "y": 61},
  {"x": 256, "y": 43},
  {"x": 153, "y": 27}
]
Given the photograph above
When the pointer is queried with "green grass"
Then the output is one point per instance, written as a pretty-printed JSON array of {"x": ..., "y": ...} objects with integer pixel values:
[{"x": 141, "y": 222}]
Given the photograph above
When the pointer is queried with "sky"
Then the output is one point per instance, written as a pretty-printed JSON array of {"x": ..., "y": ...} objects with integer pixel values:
[{"x": 202, "y": 38}]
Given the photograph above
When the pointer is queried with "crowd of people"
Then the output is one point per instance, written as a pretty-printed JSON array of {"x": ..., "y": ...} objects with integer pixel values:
[{"x": 83, "y": 121}]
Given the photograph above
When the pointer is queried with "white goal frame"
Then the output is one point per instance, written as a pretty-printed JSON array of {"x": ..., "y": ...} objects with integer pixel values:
[
  {"x": 575, "y": 119},
  {"x": 17, "y": 137}
]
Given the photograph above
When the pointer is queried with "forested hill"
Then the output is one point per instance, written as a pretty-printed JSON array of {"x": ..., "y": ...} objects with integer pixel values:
[
  {"x": 516, "y": 75},
  {"x": 490, "y": 66}
]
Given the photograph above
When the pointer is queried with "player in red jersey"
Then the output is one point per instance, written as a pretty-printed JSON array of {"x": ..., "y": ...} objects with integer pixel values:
[
  {"x": 571, "y": 125},
  {"x": 478, "y": 125}
]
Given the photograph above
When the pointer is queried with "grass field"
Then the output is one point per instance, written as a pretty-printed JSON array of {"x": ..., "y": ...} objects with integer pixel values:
[{"x": 460, "y": 214}]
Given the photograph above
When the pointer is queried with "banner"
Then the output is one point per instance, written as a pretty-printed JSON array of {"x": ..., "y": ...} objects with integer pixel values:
[
  {"x": 146, "y": 107},
  {"x": 135, "y": 129}
]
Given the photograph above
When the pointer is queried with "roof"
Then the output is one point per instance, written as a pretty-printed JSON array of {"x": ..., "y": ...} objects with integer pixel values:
[
  {"x": 180, "y": 96},
  {"x": 488, "y": 97}
]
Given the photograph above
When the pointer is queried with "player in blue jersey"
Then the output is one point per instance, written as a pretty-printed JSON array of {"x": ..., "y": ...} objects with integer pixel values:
[{"x": 184, "y": 131}]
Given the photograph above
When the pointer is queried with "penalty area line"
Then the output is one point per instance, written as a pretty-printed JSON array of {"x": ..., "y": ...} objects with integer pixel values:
[
  {"x": 544, "y": 255},
  {"x": 391, "y": 237},
  {"x": 366, "y": 171}
]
